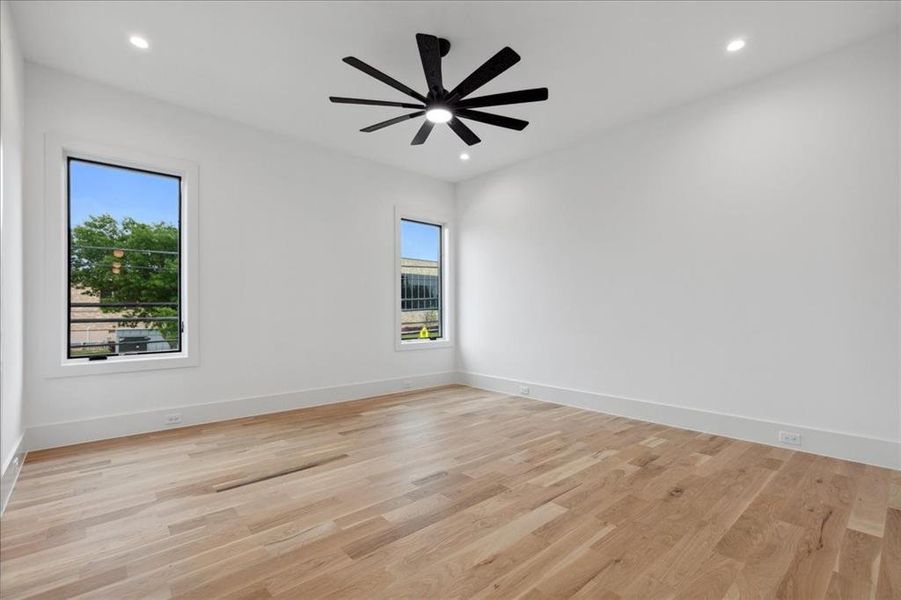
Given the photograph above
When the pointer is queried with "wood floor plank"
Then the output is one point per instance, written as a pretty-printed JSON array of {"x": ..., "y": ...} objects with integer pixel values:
[
  {"x": 821, "y": 507},
  {"x": 451, "y": 492},
  {"x": 857, "y": 571},
  {"x": 889, "y": 583}
]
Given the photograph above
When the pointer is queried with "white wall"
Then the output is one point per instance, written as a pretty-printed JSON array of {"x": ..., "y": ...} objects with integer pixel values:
[
  {"x": 738, "y": 255},
  {"x": 296, "y": 260},
  {"x": 12, "y": 121}
]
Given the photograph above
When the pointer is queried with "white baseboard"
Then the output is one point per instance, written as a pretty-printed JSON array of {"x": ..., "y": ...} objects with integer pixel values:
[
  {"x": 66, "y": 433},
  {"x": 873, "y": 451},
  {"x": 11, "y": 472},
  {"x": 880, "y": 452}
]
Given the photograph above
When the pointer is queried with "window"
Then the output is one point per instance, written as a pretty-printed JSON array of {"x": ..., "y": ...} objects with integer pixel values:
[
  {"x": 140, "y": 212},
  {"x": 124, "y": 261},
  {"x": 421, "y": 269}
]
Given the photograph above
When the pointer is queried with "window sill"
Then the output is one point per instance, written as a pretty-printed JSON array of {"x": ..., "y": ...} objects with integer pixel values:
[
  {"x": 421, "y": 345},
  {"x": 122, "y": 364}
]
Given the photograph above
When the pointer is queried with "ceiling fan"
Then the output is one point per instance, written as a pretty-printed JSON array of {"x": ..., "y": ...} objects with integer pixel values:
[{"x": 442, "y": 106}]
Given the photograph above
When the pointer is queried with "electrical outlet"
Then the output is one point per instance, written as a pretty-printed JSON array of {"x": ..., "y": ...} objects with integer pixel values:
[
  {"x": 407, "y": 384},
  {"x": 790, "y": 437},
  {"x": 173, "y": 418},
  {"x": 524, "y": 390}
]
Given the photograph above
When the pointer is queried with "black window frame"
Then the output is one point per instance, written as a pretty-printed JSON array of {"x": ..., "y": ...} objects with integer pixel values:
[
  {"x": 180, "y": 316},
  {"x": 442, "y": 334}
]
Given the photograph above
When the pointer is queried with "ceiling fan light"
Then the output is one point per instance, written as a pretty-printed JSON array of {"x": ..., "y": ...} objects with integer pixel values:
[
  {"x": 139, "y": 42},
  {"x": 439, "y": 115},
  {"x": 735, "y": 45}
]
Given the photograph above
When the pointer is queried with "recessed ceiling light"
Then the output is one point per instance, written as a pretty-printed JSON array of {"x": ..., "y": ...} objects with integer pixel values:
[
  {"x": 464, "y": 156},
  {"x": 139, "y": 42},
  {"x": 735, "y": 45},
  {"x": 439, "y": 115}
]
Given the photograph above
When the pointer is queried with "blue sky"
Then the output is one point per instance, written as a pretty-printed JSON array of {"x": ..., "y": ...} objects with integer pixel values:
[
  {"x": 418, "y": 240},
  {"x": 100, "y": 189}
]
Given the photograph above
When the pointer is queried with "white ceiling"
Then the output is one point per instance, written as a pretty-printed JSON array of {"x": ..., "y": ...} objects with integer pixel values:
[{"x": 274, "y": 64}]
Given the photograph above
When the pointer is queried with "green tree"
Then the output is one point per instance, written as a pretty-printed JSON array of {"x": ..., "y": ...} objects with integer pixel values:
[{"x": 146, "y": 271}]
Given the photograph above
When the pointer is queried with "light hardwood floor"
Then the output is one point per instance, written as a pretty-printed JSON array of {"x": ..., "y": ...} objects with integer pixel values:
[{"x": 447, "y": 493}]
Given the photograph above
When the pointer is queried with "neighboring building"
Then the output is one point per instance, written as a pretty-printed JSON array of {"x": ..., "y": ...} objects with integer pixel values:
[{"x": 84, "y": 334}]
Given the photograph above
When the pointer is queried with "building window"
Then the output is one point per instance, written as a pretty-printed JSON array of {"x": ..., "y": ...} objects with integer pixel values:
[
  {"x": 421, "y": 281},
  {"x": 124, "y": 261}
]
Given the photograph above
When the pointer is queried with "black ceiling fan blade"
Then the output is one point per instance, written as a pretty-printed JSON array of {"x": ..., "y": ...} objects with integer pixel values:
[
  {"x": 341, "y": 100},
  {"x": 373, "y": 72},
  {"x": 466, "y": 134},
  {"x": 393, "y": 121},
  {"x": 492, "y": 67},
  {"x": 423, "y": 133},
  {"x": 491, "y": 119},
  {"x": 430, "y": 53},
  {"x": 518, "y": 97}
]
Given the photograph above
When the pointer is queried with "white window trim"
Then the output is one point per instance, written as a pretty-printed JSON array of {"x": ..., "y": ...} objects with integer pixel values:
[
  {"x": 447, "y": 289},
  {"x": 53, "y": 317}
]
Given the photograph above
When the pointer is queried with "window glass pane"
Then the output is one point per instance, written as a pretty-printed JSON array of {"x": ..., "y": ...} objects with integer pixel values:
[
  {"x": 124, "y": 261},
  {"x": 420, "y": 273}
]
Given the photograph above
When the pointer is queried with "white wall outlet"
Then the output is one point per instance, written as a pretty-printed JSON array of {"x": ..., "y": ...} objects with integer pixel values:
[
  {"x": 173, "y": 418},
  {"x": 407, "y": 384},
  {"x": 524, "y": 390},
  {"x": 791, "y": 438}
]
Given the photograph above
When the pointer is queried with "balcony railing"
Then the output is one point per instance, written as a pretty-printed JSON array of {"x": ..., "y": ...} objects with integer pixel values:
[{"x": 134, "y": 344}]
